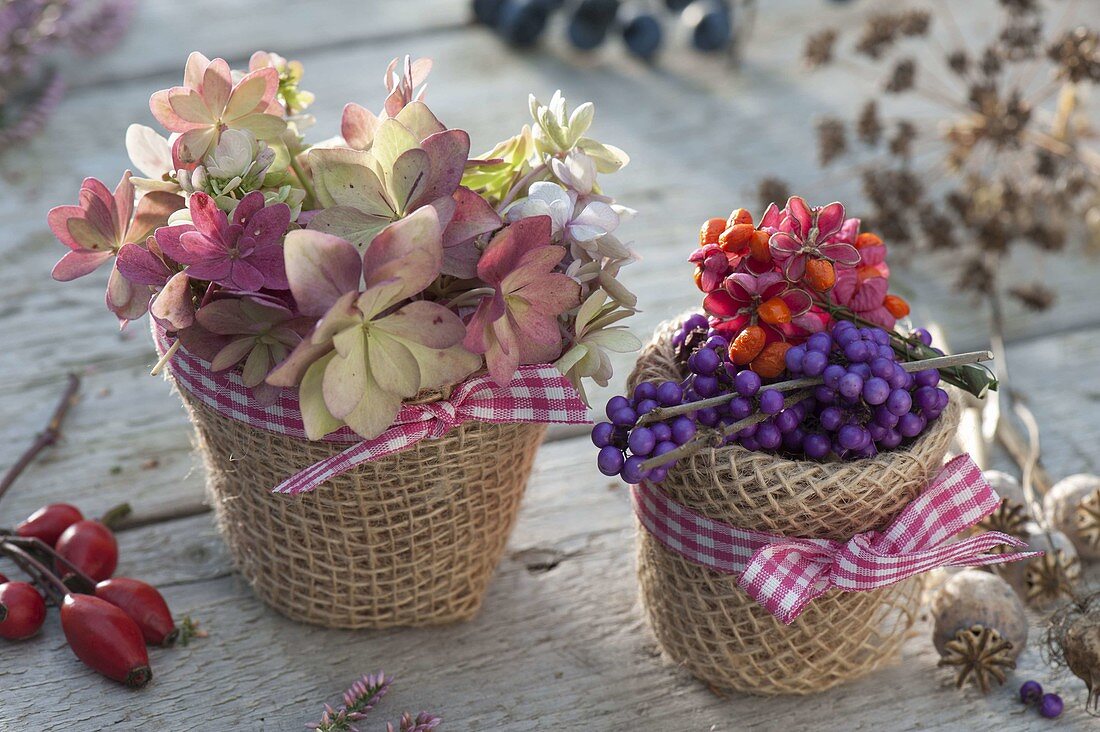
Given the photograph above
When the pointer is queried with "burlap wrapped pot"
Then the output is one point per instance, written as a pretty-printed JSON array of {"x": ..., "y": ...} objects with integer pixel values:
[
  {"x": 410, "y": 539},
  {"x": 706, "y": 623}
]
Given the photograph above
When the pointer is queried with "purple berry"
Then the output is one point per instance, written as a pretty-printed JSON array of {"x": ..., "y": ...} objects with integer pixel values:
[
  {"x": 885, "y": 417},
  {"x": 610, "y": 460},
  {"x": 910, "y": 425},
  {"x": 1050, "y": 706},
  {"x": 814, "y": 363},
  {"x": 632, "y": 469},
  {"x": 899, "y": 379},
  {"x": 669, "y": 394},
  {"x": 749, "y": 443},
  {"x": 683, "y": 429},
  {"x": 641, "y": 441},
  {"x": 899, "y": 402},
  {"x": 857, "y": 352},
  {"x": 850, "y": 386},
  {"x": 824, "y": 394},
  {"x": 943, "y": 399},
  {"x": 831, "y": 418},
  {"x": 602, "y": 433},
  {"x": 657, "y": 474},
  {"x": 794, "y": 358},
  {"x": 923, "y": 336},
  {"x": 831, "y": 375},
  {"x": 771, "y": 401},
  {"x": 820, "y": 342},
  {"x": 862, "y": 369},
  {"x": 816, "y": 446},
  {"x": 890, "y": 440},
  {"x": 876, "y": 430},
  {"x": 787, "y": 420},
  {"x": 624, "y": 417},
  {"x": 928, "y": 377},
  {"x": 616, "y": 403},
  {"x": 882, "y": 367},
  {"x": 768, "y": 436},
  {"x": 664, "y": 447},
  {"x": 885, "y": 352},
  {"x": 747, "y": 383},
  {"x": 645, "y": 390},
  {"x": 705, "y": 386},
  {"x": 926, "y": 398},
  {"x": 852, "y": 437},
  {"x": 662, "y": 431},
  {"x": 846, "y": 337},
  {"x": 707, "y": 416},
  {"x": 706, "y": 361},
  {"x": 740, "y": 407},
  {"x": 646, "y": 405},
  {"x": 876, "y": 390},
  {"x": 1031, "y": 692},
  {"x": 793, "y": 440},
  {"x": 749, "y": 431}
]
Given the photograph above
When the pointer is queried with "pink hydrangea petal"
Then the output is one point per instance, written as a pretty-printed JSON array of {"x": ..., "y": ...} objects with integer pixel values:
[
  {"x": 269, "y": 260},
  {"x": 243, "y": 276},
  {"x": 194, "y": 144},
  {"x": 140, "y": 266},
  {"x": 168, "y": 239},
  {"x": 194, "y": 70},
  {"x": 217, "y": 84},
  {"x": 208, "y": 218},
  {"x": 190, "y": 107},
  {"x": 212, "y": 270},
  {"x": 829, "y": 220},
  {"x": 78, "y": 263},
  {"x": 58, "y": 221},
  {"x": 252, "y": 93}
]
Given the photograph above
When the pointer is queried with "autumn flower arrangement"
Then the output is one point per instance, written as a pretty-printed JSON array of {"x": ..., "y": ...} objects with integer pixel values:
[
  {"x": 380, "y": 318},
  {"x": 366, "y": 268}
]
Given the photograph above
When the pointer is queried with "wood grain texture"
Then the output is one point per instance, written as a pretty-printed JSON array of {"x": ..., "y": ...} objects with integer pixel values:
[{"x": 561, "y": 644}]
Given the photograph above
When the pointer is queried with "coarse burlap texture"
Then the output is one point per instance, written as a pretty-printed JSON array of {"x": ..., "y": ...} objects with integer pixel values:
[
  {"x": 410, "y": 539},
  {"x": 706, "y": 623}
]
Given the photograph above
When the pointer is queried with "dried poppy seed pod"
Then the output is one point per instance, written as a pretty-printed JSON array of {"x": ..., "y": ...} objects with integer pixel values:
[
  {"x": 1073, "y": 507},
  {"x": 980, "y": 627},
  {"x": 1010, "y": 516},
  {"x": 1047, "y": 578}
]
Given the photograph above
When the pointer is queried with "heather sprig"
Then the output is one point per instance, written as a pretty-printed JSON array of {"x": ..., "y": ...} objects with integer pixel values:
[
  {"x": 360, "y": 698},
  {"x": 422, "y": 722}
]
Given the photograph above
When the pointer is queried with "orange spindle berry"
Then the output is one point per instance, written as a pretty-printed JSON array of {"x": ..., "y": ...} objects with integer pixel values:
[
  {"x": 774, "y": 311},
  {"x": 772, "y": 361},
  {"x": 820, "y": 274},
  {"x": 747, "y": 345},
  {"x": 739, "y": 216},
  {"x": 867, "y": 239},
  {"x": 759, "y": 246},
  {"x": 736, "y": 238},
  {"x": 699, "y": 278},
  {"x": 867, "y": 272},
  {"x": 896, "y": 306},
  {"x": 710, "y": 231}
]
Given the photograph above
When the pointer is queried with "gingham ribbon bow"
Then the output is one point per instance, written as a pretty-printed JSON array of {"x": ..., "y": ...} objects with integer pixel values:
[
  {"x": 538, "y": 394},
  {"x": 784, "y": 574}
]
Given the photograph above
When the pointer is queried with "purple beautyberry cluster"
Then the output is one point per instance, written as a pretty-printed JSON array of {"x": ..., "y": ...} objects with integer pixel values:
[{"x": 867, "y": 403}]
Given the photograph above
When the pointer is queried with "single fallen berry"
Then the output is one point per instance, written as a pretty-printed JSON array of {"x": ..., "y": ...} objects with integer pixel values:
[
  {"x": 91, "y": 546},
  {"x": 22, "y": 610},
  {"x": 1031, "y": 692},
  {"x": 1050, "y": 706},
  {"x": 49, "y": 522}
]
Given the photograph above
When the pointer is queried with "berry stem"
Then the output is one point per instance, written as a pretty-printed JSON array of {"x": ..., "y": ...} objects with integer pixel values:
[
  {"x": 33, "y": 542},
  {"x": 715, "y": 437},
  {"x": 939, "y": 362},
  {"x": 47, "y": 437},
  {"x": 46, "y": 579}
]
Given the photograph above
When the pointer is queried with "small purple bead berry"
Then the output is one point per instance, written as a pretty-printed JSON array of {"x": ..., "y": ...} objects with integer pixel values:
[
  {"x": 706, "y": 386},
  {"x": 747, "y": 383},
  {"x": 850, "y": 386},
  {"x": 816, "y": 446},
  {"x": 831, "y": 418},
  {"x": 831, "y": 375},
  {"x": 616, "y": 403},
  {"x": 641, "y": 441},
  {"x": 768, "y": 436},
  {"x": 625, "y": 417},
  {"x": 899, "y": 402},
  {"x": 707, "y": 416},
  {"x": 771, "y": 401},
  {"x": 662, "y": 431},
  {"x": 852, "y": 437},
  {"x": 706, "y": 361},
  {"x": 910, "y": 425},
  {"x": 1050, "y": 706},
  {"x": 928, "y": 377},
  {"x": 876, "y": 391},
  {"x": 1031, "y": 692},
  {"x": 601, "y": 434},
  {"x": 740, "y": 407},
  {"x": 645, "y": 390},
  {"x": 664, "y": 447},
  {"x": 787, "y": 420},
  {"x": 857, "y": 351},
  {"x": 820, "y": 342},
  {"x": 669, "y": 393},
  {"x": 718, "y": 343},
  {"x": 824, "y": 394},
  {"x": 610, "y": 460},
  {"x": 814, "y": 363},
  {"x": 632, "y": 469},
  {"x": 923, "y": 336},
  {"x": 794, "y": 358},
  {"x": 646, "y": 405},
  {"x": 749, "y": 443},
  {"x": 683, "y": 429},
  {"x": 890, "y": 440}
]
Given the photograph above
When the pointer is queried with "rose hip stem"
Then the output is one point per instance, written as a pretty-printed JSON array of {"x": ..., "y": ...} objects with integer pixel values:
[
  {"x": 661, "y": 413},
  {"x": 39, "y": 545},
  {"x": 714, "y": 438},
  {"x": 46, "y": 579},
  {"x": 45, "y": 438}
]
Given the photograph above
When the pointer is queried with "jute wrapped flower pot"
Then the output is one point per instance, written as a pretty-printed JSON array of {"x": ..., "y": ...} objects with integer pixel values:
[
  {"x": 706, "y": 623},
  {"x": 410, "y": 539}
]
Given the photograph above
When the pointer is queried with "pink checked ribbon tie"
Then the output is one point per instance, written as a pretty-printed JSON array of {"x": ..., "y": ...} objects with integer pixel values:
[
  {"x": 537, "y": 394},
  {"x": 783, "y": 574}
]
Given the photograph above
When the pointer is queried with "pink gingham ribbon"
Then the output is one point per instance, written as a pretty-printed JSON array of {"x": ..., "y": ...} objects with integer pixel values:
[
  {"x": 538, "y": 394},
  {"x": 783, "y": 574}
]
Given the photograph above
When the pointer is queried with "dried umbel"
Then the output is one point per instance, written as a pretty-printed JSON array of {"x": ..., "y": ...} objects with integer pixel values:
[
  {"x": 1011, "y": 516},
  {"x": 1073, "y": 507},
  {"x": 1045, "y": 579},
  {"x": 980, "y": 627},
  {"x": 1073, "y": 640}
]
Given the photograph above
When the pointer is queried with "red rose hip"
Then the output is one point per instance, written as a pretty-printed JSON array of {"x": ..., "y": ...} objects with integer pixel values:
[
  {"x": 91, "y": 546},
  {"x": 22, "y": 610},
  {"x": 106, "y": 639},
  {"x": 49, "y": 522},
  {"x": 145, "y": 606}
]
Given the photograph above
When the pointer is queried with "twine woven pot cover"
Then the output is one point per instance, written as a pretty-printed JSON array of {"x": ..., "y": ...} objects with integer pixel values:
[
  {"x": 706, "y": 623},
  {"x": 412, "y": 538}
]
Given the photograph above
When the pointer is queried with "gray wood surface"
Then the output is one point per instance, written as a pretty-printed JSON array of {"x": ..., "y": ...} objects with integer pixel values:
[{"x": 561, "y": 644}]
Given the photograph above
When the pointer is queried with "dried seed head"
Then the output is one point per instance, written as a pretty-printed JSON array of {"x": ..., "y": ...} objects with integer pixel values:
[
  {"x": 915, "y": 22},
  {"x": 1072, "y": 506},
  {"x": 1033, "y": 296},
  {"x": 868, "y": 126},
  {"x": 771, "y": 190},
  {"x": 818, "y": 50},
  {"x": 903, "y": 76},
  {"x": 1073, "y": 640},
  {"x": 1008, "y": 518},
  {"x": 959, "y": 62},
  {"x": 1077, "y": 54},
  {"x": 901, "y": 144}
]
